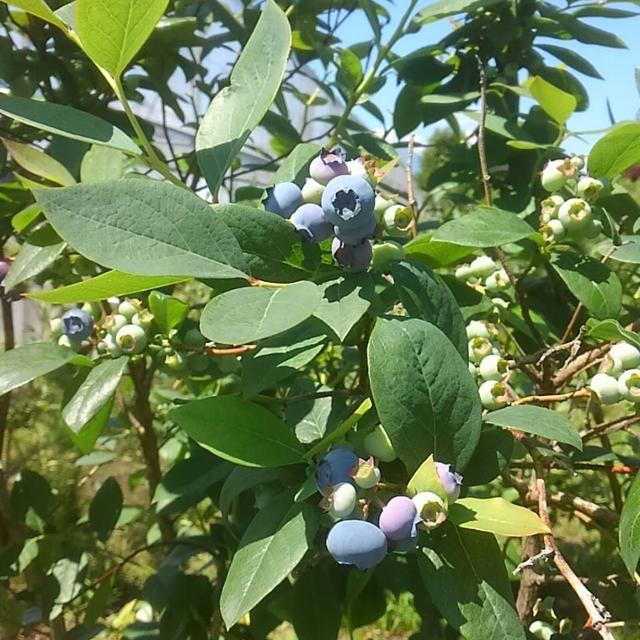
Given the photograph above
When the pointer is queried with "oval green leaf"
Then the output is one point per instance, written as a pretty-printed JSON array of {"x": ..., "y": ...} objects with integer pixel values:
[
  {"x": 484, "y": 227},
  {"x": 144, "y": 227},
  {"x": 252, "y": 313},
  {"x": 425, "y": 396},
  {"x": 616, "y": 151},
  {"x": 537, "y": 421},
  {"x": 238, "y": 109},
  {"x": 496, "y": 515},
  {"x": 629, "y": 531},
  {"x": 239, "y": 431}
]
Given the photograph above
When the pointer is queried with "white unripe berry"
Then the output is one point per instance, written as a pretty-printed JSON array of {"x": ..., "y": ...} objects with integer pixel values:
[
  {"x": 627, "y": 354},
  {"x": 589, "y": 188},
  {"x": 342, "y": 500},
  {"x": 477, "y": 329},
  {"x": 575, "y": 214},
  {"x": 479, "y": 348},
  {"x": 629, "y": 385},
  {"x": 493, "y": 367},
  {"x": 463, "y": 272},
  {"x": 492, "y": 395},
  {"x": 482, "y": 266},
  {"x": 606, "y": 388}
]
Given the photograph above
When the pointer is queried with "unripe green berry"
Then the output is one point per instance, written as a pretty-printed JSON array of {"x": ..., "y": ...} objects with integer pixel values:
[
  {"x": 384, "y": 253},
  {"x": 498, "y": 281},
  {"x": 131, "y": 339},
  {"x": 144, "y": 319},
  {"x": 128, "y": 308},
  {"x": 381, "y": 205},
  {"x": 342, "y": 500},
  {"x": 463, "y": 272},
  {"x": 629, "y": 385},
  {"x": 627, "y": 354},
  {"x": 575, "y": 215},
  {"x": 312, "y": 191},
  {"x": 606, "y": 388},
  {"x": 482, "y": 266},
  {"x": 55, "y": 326},
  {"x": 553, "y": 178},
  {"x": 577, "y": 162},
  {"x": 553, "y": 231},
  {"x": 397, "y": 219},
  {"x": 612, "y": 366},
  {"x": 492, "y": 395},
  {"x": 431, "y": 509},
  {"x": 589, "y": 188},
  {"x": 493, "y": 367},
  {"x": 111, "y": 346},
  {"x": 550, "y": 205},
  {"x": 367, "y": 475},
  {"x": 477, "y": 329},
  {"x": 479, "y": 348},
  {"x": 378, "y": 445},
  {"x": 114, "y": 323}
]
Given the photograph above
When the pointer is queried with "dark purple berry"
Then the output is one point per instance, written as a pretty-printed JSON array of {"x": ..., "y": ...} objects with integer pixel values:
[
  {"x": 76, "y": 324},
  {"x": 357, "y": 542},
  {"x": 397, "y": 518},
  {"x": 352, "y": 257},
  {"x": 283, "y": 198},
  {"x": 328, "y": 165},
  {"x": 310, "y": 222}
]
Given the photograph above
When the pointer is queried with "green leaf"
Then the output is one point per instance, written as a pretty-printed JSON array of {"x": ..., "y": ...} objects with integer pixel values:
[
  {"x": 425, "y": 396},
  {"x": 101, "y": 164},
  {"x": 273, "y": 544},
  {"x": 344, "y": 302},
  {"x": 67, "y": 121},
  {"x": 40, "y": 9},
  {"x": 239, "y": 480},
  {"x": 538, "y": 421},
  {"x": 629, "y": 531},
  {"x": 466, "y": 578},
  {"x": 495, "y": 515},
  {"x": 295, "y": 167},
  {"x": 628, "y": 251},
  {"x": 252, "y": 313},
  {"x": 112, "y": 31},
  {"x": 349, "y": 69},
  {"x": 484, "y": 227},
  {"x": 39, "y": 163},
  {"x": 188, "y": 482},
  {"x": 30, "y": 361},
  {"x": 557, "y": 103},
  {"x": 446, "y": 8},
  {"x": 491, "y": 456},
  {"x": 238, "y": 108},
  {"x": 90, "y": 432},
  {"x": 311, "y": 417},
  {"x": 281, "y": 357},
  {"x": 272, "y": 248},
  {"x": 426, "y": 478},
  {"x": 239, "y": 431},
  {"x": 36, "y": 254},
  {"x": 593, "y": 283},
  {"x": 105, "y": 508},
  {"x": 616, "y": 151},
  {"x": 573, "y": 59},
  {"x": 425, "y": 295},
  {"x": 144, "y": 227},
  {"x": 168, "y": 312},
  {"x": 310, "y": 621},
  {"x": 611, "y": 330},
  {"x": 94, "y": 393},
  {"x": 106, "y": 285},
  {"x": 24, "y": 218},
  {"x": 435, "y": 254}
]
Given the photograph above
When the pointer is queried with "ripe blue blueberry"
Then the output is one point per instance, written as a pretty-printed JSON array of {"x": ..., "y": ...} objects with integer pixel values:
[
  {"x": 328, "y": 165},
  {"x": 357, "y": 542},
  {"x": 451, "y": 481},
  {"x": 398, "y": 517},
  {"x": 358, "y": 234},
  {"x": 283, "y": 198},
  {"x": 348, "y": 202},
  {"x": 336, "y": 467},
  {"x": 352, "y": 257},
  {"x": 76, "y": 324},
  {"x": 310, "y": 222}
]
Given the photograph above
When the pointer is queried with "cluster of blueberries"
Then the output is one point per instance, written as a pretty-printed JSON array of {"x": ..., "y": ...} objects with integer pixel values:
[
  {"x": 356, "y": 540},
  {"x": 338, "y": 200},
  {"x": 568, "y": 213},
  {"x": 487, "y": 364},
  {"x": 620, "y": 375}
]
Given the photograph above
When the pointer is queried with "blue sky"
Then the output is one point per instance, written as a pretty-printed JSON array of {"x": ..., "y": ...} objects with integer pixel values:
[{"x": 615, "y": 65}]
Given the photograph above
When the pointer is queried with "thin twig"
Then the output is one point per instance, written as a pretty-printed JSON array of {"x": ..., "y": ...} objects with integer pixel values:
[
  {"x": 607, "y": 428},
  {"x": 583, "y": 361},
  {"x": 411, "y": 200},
  {"x": 533, "y": 560},
  {"x": 557, "y": 397},
  {"x": 598, "y": 614}
]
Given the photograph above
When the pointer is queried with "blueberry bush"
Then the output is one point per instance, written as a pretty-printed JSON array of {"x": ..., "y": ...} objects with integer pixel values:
[{"x": 286, "y": 387}]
